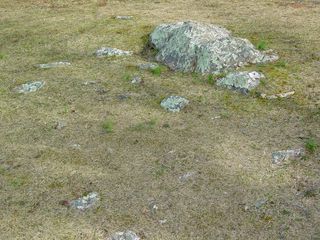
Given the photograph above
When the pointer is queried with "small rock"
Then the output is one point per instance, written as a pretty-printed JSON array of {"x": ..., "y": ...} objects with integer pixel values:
[
  {"x": 87, "y": 83},
  {"x": 60, "y": 125},
  {"x": 174, "y": 103},
  {"x": 276, "y": 96},
  {"x": 123, "y": 97},
  {"x": 185, "y": 177},
  {"x": 163, "y": 221},
  {"x": 127, "y": 235},
  {"x": 85, "y": 202},
  {"x": 282, "y": 156},
  {"x": 76, "y": 146},
  {"x": 53, "y": 65},
  {"x": 260, "y": 203},
  {"x": 101, "y": 91},
  {"x": 243, "y": 81},
  {"x": 109, "y": 52},
  {"x": 136, "y": 80},
  {"x": 30, "y": 87},
  {"x": 153, "y": 207},
  {"x": 123, "y": 17},
  {"x": 148, "y": 66}
]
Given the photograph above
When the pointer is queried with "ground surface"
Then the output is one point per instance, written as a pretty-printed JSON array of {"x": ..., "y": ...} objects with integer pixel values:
[{"x": 225, "y": 138}]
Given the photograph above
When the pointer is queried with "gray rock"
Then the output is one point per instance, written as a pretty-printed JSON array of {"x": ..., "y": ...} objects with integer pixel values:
[
  {"x": 109, "y": 52},
  {"x": 174, "y": 103},
  {"x": 60, "y": 125},
  {"x": 29, "y": 87},
  {"x": 123, "y": 17},
  {"x": 136, "y": 80},
  {"x": 85, "y": 202},
  {"x": 53, "y": 65},
  {"x": 282, "y": 156},
  {"x": 127, "y": 235},
  {"x": 148, "y": 66},
  {"x": 205, "y": 48},
  {"x": 242, "y": 81}
]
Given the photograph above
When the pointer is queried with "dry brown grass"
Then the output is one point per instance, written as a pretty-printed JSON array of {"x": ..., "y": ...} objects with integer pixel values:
[{"x": 130, "y": 166}]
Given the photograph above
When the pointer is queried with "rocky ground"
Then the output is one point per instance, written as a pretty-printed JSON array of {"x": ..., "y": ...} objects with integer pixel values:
[{"x": 98, "y": 141}]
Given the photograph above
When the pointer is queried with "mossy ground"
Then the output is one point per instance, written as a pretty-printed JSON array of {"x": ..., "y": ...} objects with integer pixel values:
[{"x": 225, "y": 137}]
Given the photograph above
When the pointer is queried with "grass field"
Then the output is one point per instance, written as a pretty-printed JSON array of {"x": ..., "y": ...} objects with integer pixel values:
[{"x": 119, "y": 142}]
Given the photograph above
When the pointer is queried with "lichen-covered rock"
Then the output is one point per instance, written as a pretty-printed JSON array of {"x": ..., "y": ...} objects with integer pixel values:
[
  {"x": 29, "y": 87},
  {"x": 85, "y": 202},
  {"x": 280, "y": 157},
  {"x": 109, "y": 52},
  {"x": 205, "y": 48},
  {"x": 174, "y": 103},
  {"x": 242, "y": 81},
  {"x": 127, "y": 235},
  {"x": 148, "y": 66},
  {"x": 53, "y": 65}
]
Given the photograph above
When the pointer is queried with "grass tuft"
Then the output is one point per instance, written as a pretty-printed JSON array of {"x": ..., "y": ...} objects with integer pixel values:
[{"x": 262, "y": 45}]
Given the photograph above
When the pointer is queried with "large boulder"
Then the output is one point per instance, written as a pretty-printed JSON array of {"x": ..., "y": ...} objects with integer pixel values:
[{"x": 205, "y": 48}]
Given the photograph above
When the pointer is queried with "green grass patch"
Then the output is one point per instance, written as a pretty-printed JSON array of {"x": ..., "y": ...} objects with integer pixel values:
[
  {"x": 156, "y": 71},
  {"x": 145, "y": 125},
  {"x": 281, "y": 64},
  {"x": 127, "y": 77},
  {"x": 311, "y": 145},
  {"x": 262, "y": 45},
  {"x": 108, "y": 126}
]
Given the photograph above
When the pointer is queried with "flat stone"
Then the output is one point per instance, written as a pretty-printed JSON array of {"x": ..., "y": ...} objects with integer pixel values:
[
  {"x": 260, "y": 203},
  {"x": 85, "y": 202},
  {"x": 53, "y": 65},
  {"x": 205, "y": 48},
  {"x": 148, "y": 66},
  {"x": 30, "y": 87},
  {"x": 123, "y": 17},
  {"x": 241, "y": 81},
  {"x": 126, "y": 235},
  {"x": 277, "y": 96},
  {"x": 174, "y": 103},
  {"x": 109, "y": 52},
  {"x": 280, "y": 157}
]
